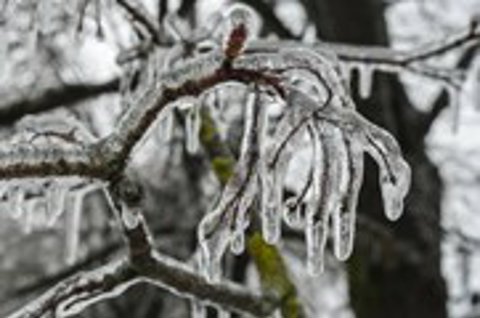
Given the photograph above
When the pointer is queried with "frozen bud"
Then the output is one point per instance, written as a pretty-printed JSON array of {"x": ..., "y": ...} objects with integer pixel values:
[{"x": 242, "y": 24}]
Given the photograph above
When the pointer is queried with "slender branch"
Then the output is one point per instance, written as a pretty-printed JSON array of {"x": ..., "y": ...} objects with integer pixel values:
[
  {"x": 75, "y": 293},
  {"x": 383, "y": 55},
  {"x": 140, "y": 13},
  {"x": 442, "y": 101}
]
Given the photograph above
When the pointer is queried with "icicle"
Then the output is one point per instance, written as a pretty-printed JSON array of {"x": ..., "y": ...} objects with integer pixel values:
[
  {"x": 41, "y": 213},
  {"x": 56, "y": 197},
  {"x": 325, "y": 199},
  {"x": 365, "y": 80},
  {"x": 395, "y": 174},
  {"x": 73, "y": 214},
  {"x": 167, "y": 126},
  {"x": 192, "y": 128},
  {"x": 271, "y": 207},
  {"x": 73, "y": 210},
  {"x": 27, "y": 220},
  {"x": 198, "y": 310},
  {"x": 392, "y": 200},
  {"x": 274, "y": 162},
  {"x": 292, "y": 213},
  {"x": 271, "y": 182},
  {"x": 344, "y": 219},
  {"x": 214, "y": 235},
  {"x": 346, "y": 69},
  {"x": 17, "y": 203},
  {"x": 316, "y": 233},
  {"x": 219, "y": 227},
  {"x": 454, "y": 104}
]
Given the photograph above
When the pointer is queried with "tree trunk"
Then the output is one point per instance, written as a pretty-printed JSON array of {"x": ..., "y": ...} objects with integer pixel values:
[{"x": 386, "y": 281}]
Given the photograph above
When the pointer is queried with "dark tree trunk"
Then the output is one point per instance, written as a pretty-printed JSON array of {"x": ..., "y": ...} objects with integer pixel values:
[{"x": 386, "y": 280}]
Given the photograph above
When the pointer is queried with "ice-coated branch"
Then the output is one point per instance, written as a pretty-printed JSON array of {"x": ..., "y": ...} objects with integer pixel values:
[
  {"x": 144, "y": 264},
  {"x": 74, "y": 294},
  {"x": 177, "y": 278},
  {"x": 382, "y": 55},
  {"x": 171, "y": 274},
  {"x": 81, "y": 290},
  {"x": 367, "y": 59},
  {"x": 181, "y": 280}
]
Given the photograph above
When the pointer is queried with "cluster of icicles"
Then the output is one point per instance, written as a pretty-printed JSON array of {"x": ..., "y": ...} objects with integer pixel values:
[
  {"x": 37, "y": 203},
  {"x": 338, "y": 136}
]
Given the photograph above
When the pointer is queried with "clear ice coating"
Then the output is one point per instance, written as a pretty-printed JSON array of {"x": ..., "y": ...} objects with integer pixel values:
[
  {"x": 225, "y": 225},
  {"x": 395, "y": 173},
  {"x": 240, "y": 14},
  {"x": 339, "y": 137},
  {"x": 344, "y": 218}
]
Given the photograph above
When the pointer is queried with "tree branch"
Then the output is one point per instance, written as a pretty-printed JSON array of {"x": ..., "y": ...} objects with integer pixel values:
[{"x": 21, "y": 103}]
